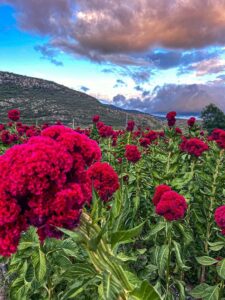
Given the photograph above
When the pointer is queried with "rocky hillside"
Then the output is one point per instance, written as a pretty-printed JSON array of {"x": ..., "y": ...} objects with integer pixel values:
[{"x": 45, "y": 101}]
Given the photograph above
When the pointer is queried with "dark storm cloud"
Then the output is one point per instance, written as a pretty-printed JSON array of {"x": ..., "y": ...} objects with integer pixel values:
[
  {"x": 108, "y": 30},
  {"x": 181, "y": 98},
  {"x": 49, "y": 54}
]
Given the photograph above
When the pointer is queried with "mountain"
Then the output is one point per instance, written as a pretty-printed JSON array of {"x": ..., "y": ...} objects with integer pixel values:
[{"x": 46, "y": 101}]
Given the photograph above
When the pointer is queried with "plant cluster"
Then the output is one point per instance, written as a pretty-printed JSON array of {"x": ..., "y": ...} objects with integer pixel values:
[{"x": 98, "y": 213}]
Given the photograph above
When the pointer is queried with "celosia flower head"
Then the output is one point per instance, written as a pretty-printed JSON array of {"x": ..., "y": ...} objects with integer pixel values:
[
  {"x": 132, "y": 153},
  {"x": 172, "y": 206},
  {"x": 14, "y": 114}
]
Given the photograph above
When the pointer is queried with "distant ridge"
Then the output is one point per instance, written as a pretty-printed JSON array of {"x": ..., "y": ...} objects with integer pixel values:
[{"x": 46, "y": 101}]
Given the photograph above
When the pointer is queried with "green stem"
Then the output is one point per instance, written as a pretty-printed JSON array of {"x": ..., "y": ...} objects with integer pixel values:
[
  {"x": 169, "y": 242},
  {"x": 210, "y": 210}
]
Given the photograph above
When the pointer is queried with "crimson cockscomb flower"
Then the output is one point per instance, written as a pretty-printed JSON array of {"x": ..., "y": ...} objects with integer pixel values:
[
  {"x": 159, "y": 191},
  {"x": 194, "y": 146},
  {"x": 172, "y": 206},
  {"x": 144, "y": 142},
  {"x": 105, "y": 180},
  {"x": 219, "y": 217},
  {"x": 52, "y": 184},
  {"x": 14, "y": 114},
  {"x": 191, "y": 121},
  {"x": 130, "y": 125},
  {"x": 178, "y": 130},
  {"x": 95, "y": 119},
  {"x": 171, "y": 118},
  {"x": 218, "y": 135},
  {"x": 132, "y": 153}
]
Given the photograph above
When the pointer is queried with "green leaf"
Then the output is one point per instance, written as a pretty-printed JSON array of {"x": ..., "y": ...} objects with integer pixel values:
[
  {"x": 206, "y": 292},
  {"x": 178, "y": 256},
  {"x": 180, "y": 285},
  {"x": 39, "y": 263},
  {"x": 19, "y": 289},
  {"x": 155, "y": 229},
  {"x": 145, "y": 292},
  {"x": 111, "y": 291},
  {"x": 162, "y": 260},
  {"x": 81, "y": 270},
  {"x": 216, "y": 246},
  {"x": 125, "y": 236},
  {"x": 206, "y": 260},
  {"x": 221, "y": 269},
  {"x": 76, "y": 236}
]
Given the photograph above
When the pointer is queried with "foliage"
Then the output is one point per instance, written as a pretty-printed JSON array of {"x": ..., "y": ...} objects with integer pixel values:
[
  {"x": 213, "y": 118},
  {"x": 125, "y": 248}
]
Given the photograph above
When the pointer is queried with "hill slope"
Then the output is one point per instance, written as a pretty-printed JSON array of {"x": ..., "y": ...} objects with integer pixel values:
[{"x": 45, "y": 101}]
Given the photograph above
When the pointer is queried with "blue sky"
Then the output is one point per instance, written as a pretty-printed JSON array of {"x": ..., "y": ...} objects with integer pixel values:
[{"x": 118, "y": 52}]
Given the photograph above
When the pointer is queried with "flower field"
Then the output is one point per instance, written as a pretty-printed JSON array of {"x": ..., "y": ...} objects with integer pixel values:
[{"x": 106, "y": 214}]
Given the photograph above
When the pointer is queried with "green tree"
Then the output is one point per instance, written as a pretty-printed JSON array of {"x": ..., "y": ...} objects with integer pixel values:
[{"x": 213, "y": 118}]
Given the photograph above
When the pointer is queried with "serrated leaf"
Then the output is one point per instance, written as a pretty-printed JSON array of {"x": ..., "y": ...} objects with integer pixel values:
[{"x": 39, "y": 263}]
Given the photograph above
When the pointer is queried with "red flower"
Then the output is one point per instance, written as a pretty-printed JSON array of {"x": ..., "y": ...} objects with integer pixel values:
[
  {"x": 171, "y": 206},
  {"x": 191, "y": 121},
  {"x": 14, "y": 114},
  {"x": 218, "y": 135},
  {"x": 130, "y": 125},
  {"x": 2, "y": 127},
  {"x": 159, "y": 191},
  {"x": 219, "y": 217},
  {"x": 171, "y": 118},
  {"x": 144, "y": 142},
  {"x": 132, "y": 153},
  {"x": 95, "y": 119},
  {"x": 5, "y": 137},
  {"x": 105, "y": 131},
  {"x": 178, "y": 130},
  {"x": 105, "y": 180},
  {"x": 194, "y": 146},
  {"x": 45, "y": 183}
]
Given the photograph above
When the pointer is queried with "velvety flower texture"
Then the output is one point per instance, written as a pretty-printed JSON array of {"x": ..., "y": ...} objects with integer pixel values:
[
  {"x": 14, "y": 114},
  {"x": 219, "y": 217},
  {"x": 95, "y": 119},
  {"x": 132, "y": 153},
  {"x": 45, "y": 183},
  {"x": 130, "y": 125},
  {"x": 191, "y": 121},
  {"x": 194, "y": 146},
  {"x": 159, "y": 191},
  {"x": 169, "y": 204},
  {"x": 105, "y": 180},
  {"x": 218, "y": 135},
  {"x": 171, "y": 118}
]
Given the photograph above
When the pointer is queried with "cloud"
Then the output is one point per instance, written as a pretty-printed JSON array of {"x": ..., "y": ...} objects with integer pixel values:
[
  {"x": 119, "y": 83},
  {"x": 84, "y": 89},
  {"x": 181, "y": 98},
  {"x": 206, "y": 67},
  {"x": 107, "y": 30},
  {"x": 49, "y": 54}
]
